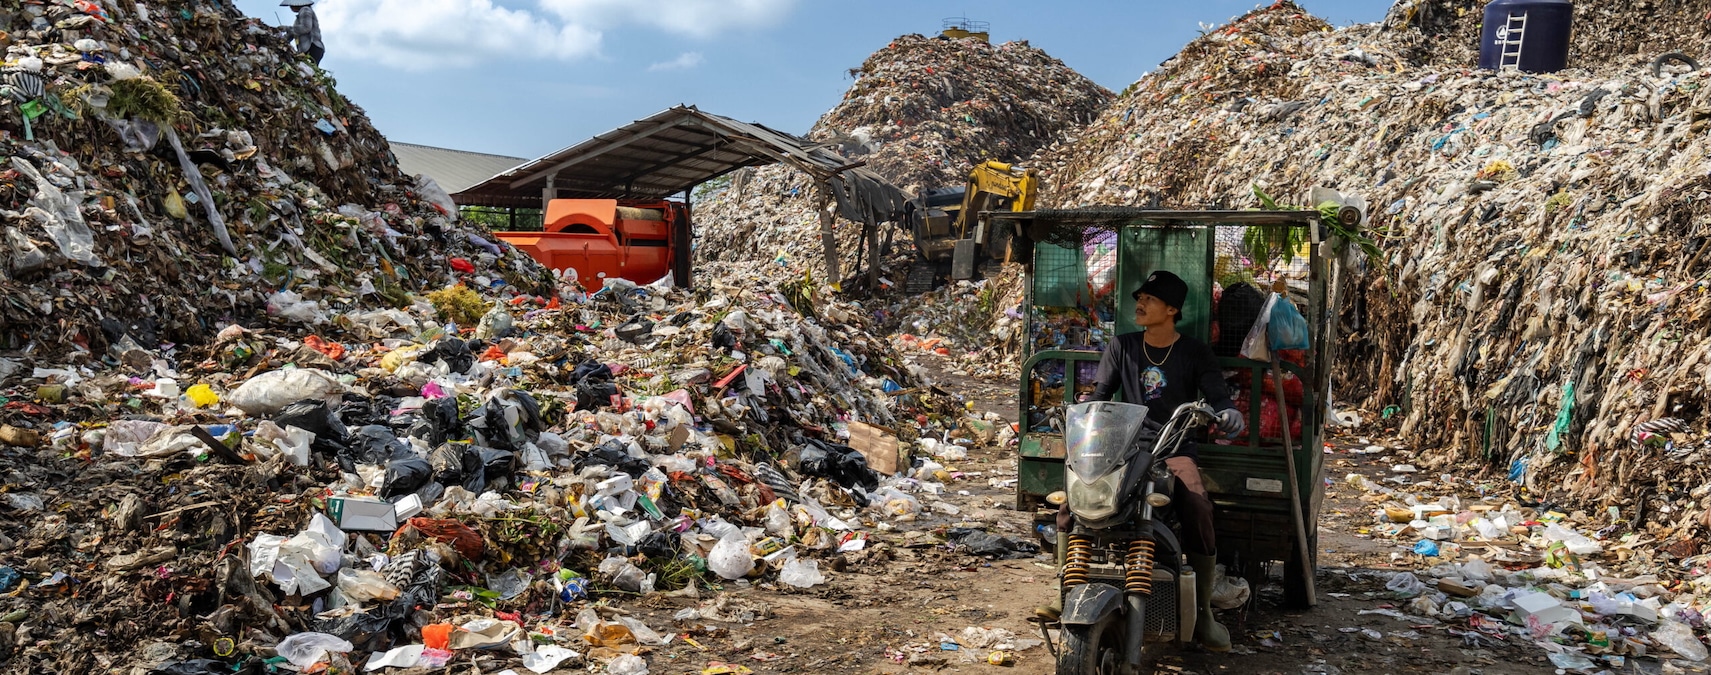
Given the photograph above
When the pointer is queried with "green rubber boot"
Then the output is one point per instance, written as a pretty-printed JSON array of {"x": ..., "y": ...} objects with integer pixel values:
[{"x": 1207, "y": 631}]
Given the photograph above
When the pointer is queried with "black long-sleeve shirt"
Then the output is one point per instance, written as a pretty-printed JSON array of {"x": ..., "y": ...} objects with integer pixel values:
[{"x": 1161, "y": 378}]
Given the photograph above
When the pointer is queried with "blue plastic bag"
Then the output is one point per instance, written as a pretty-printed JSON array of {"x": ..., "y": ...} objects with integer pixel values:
[{"x": 1287, "y": 329}]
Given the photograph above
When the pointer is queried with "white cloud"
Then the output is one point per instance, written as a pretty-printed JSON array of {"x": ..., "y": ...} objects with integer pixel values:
[
  {"x": 684, "y": 61},
  {"x": 697, "y": 18},
  {"x": 426, "y": 34}
]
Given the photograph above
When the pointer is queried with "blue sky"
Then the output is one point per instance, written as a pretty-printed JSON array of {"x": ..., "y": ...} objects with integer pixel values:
[{"x": 526, "y": 77}]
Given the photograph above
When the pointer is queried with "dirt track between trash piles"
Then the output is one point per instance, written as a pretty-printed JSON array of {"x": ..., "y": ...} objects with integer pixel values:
[{"x": 887, "y": 616}]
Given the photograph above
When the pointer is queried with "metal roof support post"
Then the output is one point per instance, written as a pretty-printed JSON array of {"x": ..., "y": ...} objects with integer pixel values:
[{"x": 548, "y": 194}]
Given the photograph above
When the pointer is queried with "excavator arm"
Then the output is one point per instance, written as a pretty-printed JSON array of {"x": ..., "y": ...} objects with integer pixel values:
[{"x": 994, "y": 184}]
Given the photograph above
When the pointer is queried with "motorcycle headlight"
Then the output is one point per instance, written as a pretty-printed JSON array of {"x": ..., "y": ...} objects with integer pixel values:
[{"x": 1096, "y": 500}]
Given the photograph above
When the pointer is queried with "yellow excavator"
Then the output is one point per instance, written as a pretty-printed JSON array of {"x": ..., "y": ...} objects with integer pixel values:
[{"x": 945, "y": 222}]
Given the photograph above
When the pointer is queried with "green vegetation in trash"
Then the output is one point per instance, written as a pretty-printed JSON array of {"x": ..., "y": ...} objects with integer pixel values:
[
  {"x": 1265, "y": 244},
  {"x": 459, "y": 305}
]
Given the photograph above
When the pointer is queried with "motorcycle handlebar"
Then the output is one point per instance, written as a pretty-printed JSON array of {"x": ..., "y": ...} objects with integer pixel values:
[{"x": 1175, "y": 431}]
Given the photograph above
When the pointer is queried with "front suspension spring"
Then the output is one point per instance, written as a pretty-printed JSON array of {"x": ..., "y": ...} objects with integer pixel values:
[
  {"x": 1078, "y": 563},
  {"x": 1138, "y": 568}
]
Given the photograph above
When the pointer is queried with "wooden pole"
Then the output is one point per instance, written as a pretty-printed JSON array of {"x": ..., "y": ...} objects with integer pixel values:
[{"x": 828, "y": 239}]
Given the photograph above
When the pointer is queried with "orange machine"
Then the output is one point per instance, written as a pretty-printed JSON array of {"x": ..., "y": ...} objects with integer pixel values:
[{"x": 604, "y": 238}]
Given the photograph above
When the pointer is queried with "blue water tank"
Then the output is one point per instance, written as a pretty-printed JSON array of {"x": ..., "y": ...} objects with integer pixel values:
[{"x": 1527, "y": 35}]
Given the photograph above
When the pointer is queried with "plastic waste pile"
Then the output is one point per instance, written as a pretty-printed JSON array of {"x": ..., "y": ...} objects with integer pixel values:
[
  {"x": 173, "y": 167},
  {"x": 922, "y": 111},
  {"x": 1542, "y": 261},
  {"x": 1629, "y": 34},
  {"x": 978, "y": 323},
  {"x": 461, "y": 478},
  {"x": 1586, "y": 587}
]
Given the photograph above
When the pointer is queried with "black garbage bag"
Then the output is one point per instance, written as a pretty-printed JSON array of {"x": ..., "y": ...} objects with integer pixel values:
[
  {"x": 657, "y": 546},
  {"x": 206, "y": 667},
  {"x": 592, "y": 381},
  {"x": 474, "y": 472},
  {"x": 429, "y": 493},
  {"x": 383, "y": 627},
  {"x": 375, "y": 444},
  {"x": 440, "y": 416},
  {"x": 594, "y": 394},
  {"x": 990, "y": 546},
  {"x": 1238, "y": 309},
  {"x": 497, "y": 464},
  {"x": 614, "y": 454},
  {"x": 405, "y": 475},
  {"x": 500, "y": 432},
  {"x": 314, "y": 416},
  {"x": 356, "y": 411},
  {"x": 446, "y": 459},
  {"x": 723, "y": 338},
  {"x": 591, "y": 370},
  {"x": 530, "y": 418},
  {"x": 452, "y": 352},
  {"x": 634, "y": 330},
  {"x": 841, "y": 463}
]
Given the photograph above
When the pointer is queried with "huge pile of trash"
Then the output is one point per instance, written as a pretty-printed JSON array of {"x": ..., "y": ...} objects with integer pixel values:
[
  {"x": 923, "y": 110},
  {"x": 977, "y": 324},
  {"x": 1628, "y": 34},
  {"x": 175, "y": 167},
  {"x": 461, "y": 478},
  {"x": 921, "y": 113},
  {"x": 1540, "y": 299}
]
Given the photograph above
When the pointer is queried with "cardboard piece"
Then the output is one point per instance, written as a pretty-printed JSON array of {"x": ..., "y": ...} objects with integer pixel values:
[
  {"x": 877, "y": 445},
  {"x": 363, "y": 514}
]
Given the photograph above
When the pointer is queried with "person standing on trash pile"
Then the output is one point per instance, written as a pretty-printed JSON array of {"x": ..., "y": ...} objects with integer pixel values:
[
  {"x": 306, "y": 32},
  {"x": 1162, "y": 369}
]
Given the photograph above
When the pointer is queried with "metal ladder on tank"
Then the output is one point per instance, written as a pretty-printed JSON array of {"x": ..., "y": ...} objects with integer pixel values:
[{"x": 1513, "y": 35}]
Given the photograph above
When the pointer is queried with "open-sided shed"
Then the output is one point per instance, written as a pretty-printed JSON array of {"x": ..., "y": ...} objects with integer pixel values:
[{"x": 677, "y": 149}]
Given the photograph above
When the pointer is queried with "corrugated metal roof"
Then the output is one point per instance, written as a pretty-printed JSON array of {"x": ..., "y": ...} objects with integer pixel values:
[
  {"x": 667, "y": 153},
  {"x": 454, "y": 170}
]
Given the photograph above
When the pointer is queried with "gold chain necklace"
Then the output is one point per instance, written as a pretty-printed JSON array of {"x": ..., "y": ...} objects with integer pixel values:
[{"x": 1147, "y": 350}]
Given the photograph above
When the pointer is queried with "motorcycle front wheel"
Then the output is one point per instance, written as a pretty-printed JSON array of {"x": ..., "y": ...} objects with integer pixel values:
[{"x": 1092, "y": 650}]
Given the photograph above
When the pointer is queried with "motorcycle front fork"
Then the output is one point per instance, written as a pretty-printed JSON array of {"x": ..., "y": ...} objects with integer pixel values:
[{"x": 1136, "y": 623}]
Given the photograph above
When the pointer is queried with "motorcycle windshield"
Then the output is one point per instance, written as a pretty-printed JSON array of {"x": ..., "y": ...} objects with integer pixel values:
[{"x": 1098, "y": 436}]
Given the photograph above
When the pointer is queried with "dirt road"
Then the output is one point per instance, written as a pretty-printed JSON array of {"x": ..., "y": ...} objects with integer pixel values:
[
  {"x": 895, "y": 607},
  {"x": 889, "y": 616}
]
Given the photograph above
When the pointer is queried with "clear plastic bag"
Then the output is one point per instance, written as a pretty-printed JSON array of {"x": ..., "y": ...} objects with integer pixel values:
[
  {"x": 307, "y": 649},
  {"x": 1255, "y": 346},
  {"x": 365, "y": 585},
  {"x": 1406, "y": 584},
  {"x": 628, "y": 664},
  {"x": 730, "y": 558},
  {"x": 801, "y": 573},
  {"x": 1679, "y": 638}
]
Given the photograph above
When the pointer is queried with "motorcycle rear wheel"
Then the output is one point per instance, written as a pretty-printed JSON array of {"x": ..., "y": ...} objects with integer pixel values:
[{"x": 1092, "y": 650}]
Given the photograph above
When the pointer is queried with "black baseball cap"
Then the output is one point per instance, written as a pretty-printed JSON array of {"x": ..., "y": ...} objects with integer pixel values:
[{"x": 1165, "y": 286}]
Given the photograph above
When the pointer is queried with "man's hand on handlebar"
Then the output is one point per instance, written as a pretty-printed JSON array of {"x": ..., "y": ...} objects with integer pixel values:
[{"x": 1231, "y": 422}]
